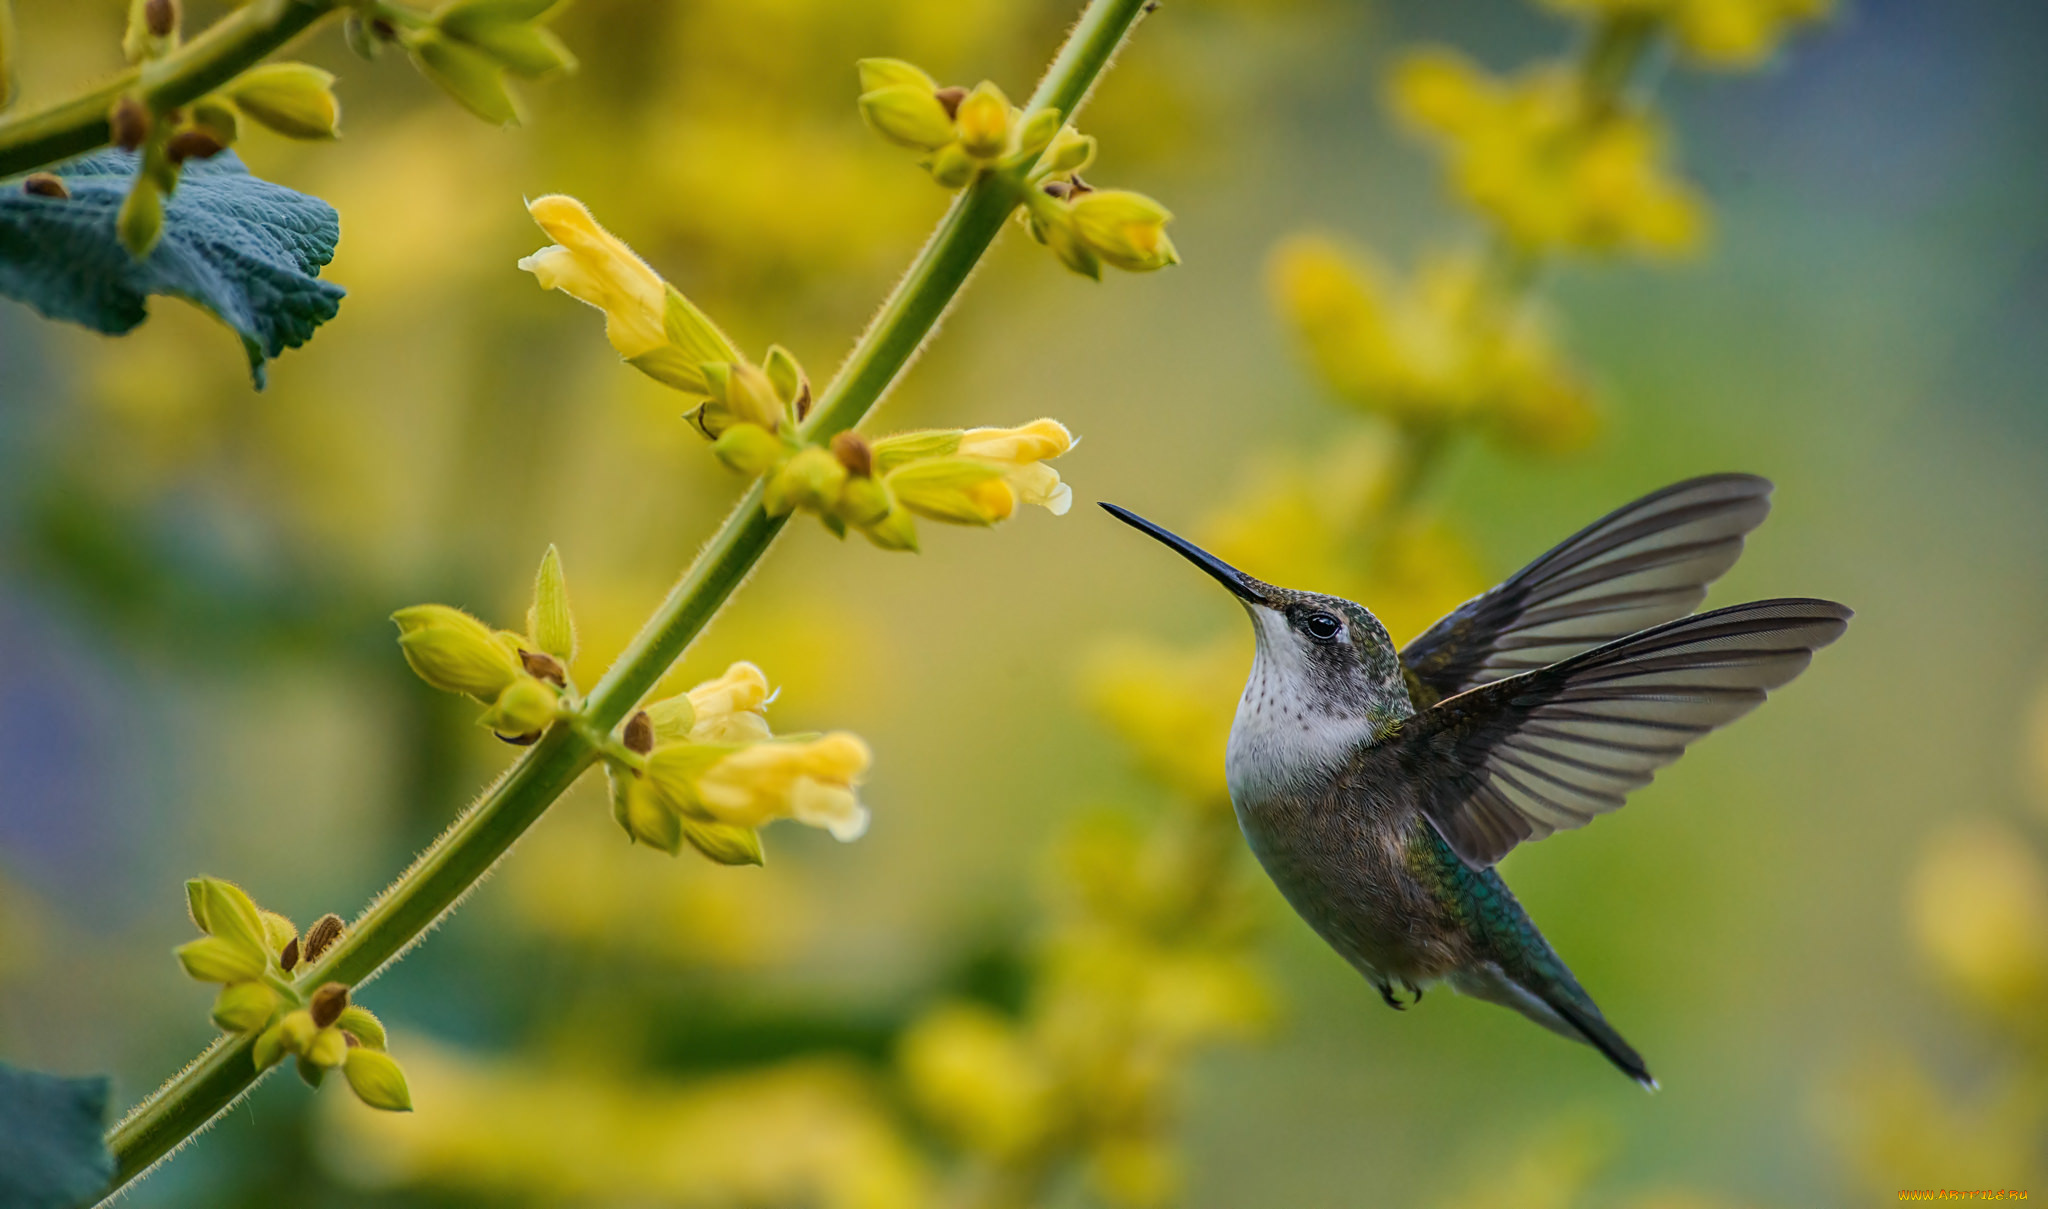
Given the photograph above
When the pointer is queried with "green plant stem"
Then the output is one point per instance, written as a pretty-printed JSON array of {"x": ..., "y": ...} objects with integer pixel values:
[
  {"x": 454, "y": 864},
  {"x": 230, "y": 47}
]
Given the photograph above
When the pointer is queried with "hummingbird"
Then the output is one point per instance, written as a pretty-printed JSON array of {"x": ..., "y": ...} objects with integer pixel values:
[{"x": 1379, "y": 787}]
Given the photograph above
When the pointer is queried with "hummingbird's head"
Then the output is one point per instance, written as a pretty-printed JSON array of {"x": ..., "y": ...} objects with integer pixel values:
[{"x": 1319, "y": 655}]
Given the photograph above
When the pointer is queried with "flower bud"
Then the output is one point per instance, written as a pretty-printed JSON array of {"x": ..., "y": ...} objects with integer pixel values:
[
  {"x": 327, "y": 1004},
  {"x": 811, "y": 479},
  {"x": 511, "y": 38},
  {"x": 1069, "y": 151},
  {"x": 294, "y": 99},
  {"x": 327, "y": 1049},
  {"x": 750, "y": 449},
  {"x": 1053, "y": 224},
  {"x": 785, "y": 375},
  {"x": 525, "y": 707},
  {"x": 215, "y": 959},
  {"x": 141, "y": 221},
  {"x": 649, "y": 818},
  {"x": 984, "y": 121},
  {"x": 897, "y": 530},
  {"x": 864, "y": 501},
  {"x": 909, "y": 115},
  {"x": 723, "y": 842},
  {"x": 357, "y": 1022},
  {"x": 377, "y": 1080},
  {"x": 223, "y": 909},
  {"x": 671, "y": 718},
  {"x": 270, "y": 1047},
  {"x": 245, "y": 1006},
  {"x": 298, "y": 1030},
  {"x": 952, "y": 166},
  {"x": 325, "y": 931},
  {"x": 473, "y": 78},
  {"x": 454, "y": 652},
  {"x": 277, "y": 931},
  {"x": 129, "y": 123},
  {"x": 1126, "y": 229},
  {"x": 957, "y": 490},
  {"x": 1035, "y": 135},
  {"x": 750, "y": 396},
  {"x": 877, "y": 74},
  {"x": 549, "y": 620}
]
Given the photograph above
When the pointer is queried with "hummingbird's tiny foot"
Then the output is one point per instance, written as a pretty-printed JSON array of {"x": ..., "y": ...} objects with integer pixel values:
[
  {"x": 1414, "y": 991},
  {"x": 1387, "y": 993}
]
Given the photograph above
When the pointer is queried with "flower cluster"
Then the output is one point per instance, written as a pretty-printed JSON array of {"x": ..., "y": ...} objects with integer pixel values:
[
  {"x": 1445, "y": 348},
  {"x": 968, "y": 133},
  {"x": 523, "y": 678},
  {"x": 1148, "y": 962},
  {"x": 1552, "y": 166},
  {"x": 753, "y": 415},
  {"x": 1730, "y": 34},
  {"x": 705, "y": 768},
  {"x": 468, "y": 47},
  {"x": 465, "y": 46},
  {"x": 252, "y": 953}
]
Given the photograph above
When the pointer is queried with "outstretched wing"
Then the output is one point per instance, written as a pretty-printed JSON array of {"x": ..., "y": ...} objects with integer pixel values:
[
  {"x": 1520, "y": 758},
  {"x": 1639, "y": 566}
]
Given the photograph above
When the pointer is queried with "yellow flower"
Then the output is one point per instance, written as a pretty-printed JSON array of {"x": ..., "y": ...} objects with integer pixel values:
[
  {"x": 1022, "y": 453},
  {"x": 1124, "y": 228},
  {"x": 729, "y": 709},
  {"x": 974, "y": 1077},
  {"x": 959, "y": 491},
  {"x": 811, "y": 782},
  {"x": 1979, "y": 909},
  {"x": 593, "y": 266},
  {"x": 1446, "y": 347},
  {"x": 1732, "y": 34},
  {"x": 1548, "y": 168}
]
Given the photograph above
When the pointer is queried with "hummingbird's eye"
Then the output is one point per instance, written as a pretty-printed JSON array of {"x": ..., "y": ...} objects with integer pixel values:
[{"x": 1321, "y": 626}]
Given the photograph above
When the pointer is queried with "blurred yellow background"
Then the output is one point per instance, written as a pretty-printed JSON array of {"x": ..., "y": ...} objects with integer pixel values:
[{"x": 1827, "y": 929}]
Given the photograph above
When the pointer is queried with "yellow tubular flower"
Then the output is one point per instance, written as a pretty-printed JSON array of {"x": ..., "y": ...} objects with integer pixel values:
[
  {"x": 1022, "y": 453},
  {"x": 728, "y": 709},
  {"x": 959, "y": 491},
  {"x": 593, "y": 266},
  {"x": 809, "y": 782}
]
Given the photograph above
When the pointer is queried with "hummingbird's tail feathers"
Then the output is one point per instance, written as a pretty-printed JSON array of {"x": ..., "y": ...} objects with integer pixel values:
[
  {"x": 1639, "y": 566},
  {"x": 1541, "y": 988},
  {"x": 1548, "y": 750},
  {"x": 1596, "y": 1032}
]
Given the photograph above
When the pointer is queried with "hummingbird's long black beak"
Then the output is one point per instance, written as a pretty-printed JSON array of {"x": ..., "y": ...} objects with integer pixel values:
[{"x": 1242, "y": 585}]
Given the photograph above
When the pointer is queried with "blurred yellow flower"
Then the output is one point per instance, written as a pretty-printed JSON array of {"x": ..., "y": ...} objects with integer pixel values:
[
  {"x": 1446, "y": 348},
  {"x": 1732, "y": 34},
  {"x": 974, "y": 1077},
  {"x": 1174, "y": 707},
  {"x": 1978, "y": 907},
  {"x": 1550, "y": 168}
]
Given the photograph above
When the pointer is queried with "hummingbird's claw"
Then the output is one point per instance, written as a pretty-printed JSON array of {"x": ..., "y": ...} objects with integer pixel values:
[
  {"x": 1387, "y": 993},
  {"x": 1413, "y": 990}
]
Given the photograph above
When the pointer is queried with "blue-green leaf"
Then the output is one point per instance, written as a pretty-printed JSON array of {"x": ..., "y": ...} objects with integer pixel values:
[
  {"x": 243, "y": 248},
  {"x": 52, "y": 1152}
]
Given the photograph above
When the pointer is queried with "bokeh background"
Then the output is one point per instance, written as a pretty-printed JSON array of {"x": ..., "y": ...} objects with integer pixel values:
[{"x": 1827, "y": 928}]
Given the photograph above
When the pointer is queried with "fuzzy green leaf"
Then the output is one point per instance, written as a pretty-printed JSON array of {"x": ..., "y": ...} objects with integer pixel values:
[
  {"x": 52, "y": 1154},
  {"x": 245, "y": 249}
]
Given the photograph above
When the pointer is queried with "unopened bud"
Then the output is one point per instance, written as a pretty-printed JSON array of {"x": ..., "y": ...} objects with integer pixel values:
[
  {"x": 377, "y": 1080},
  {"x": 639, "y": 735},
  {"x": 910, "y": 115},
  {"x": 454, "y": 652},
  {"x": 219, "y": 117},
  {"x": 295, "y": 99},
  {"x": 193, "y": 144},
  {"x": 750, "y": 449},
  {"x": 244, "y": 1007},
  {"x": 329, "y": 1048},
  {"x": 864, "y": 501},
  {"x": 811, "y": 479},
  {"x": 277, "y": 931},
  {"x": 1126, "y": 229},
  {"x": 325, "y": 931},
  {"x": 327, "y": 1004},
  {"x": 160, "y": 16},
  {"x": 269, "y": 1047},
  {"x": 129, "y": 123},
  {"x": 984, "y": 121},
  {"x": 45, "y": 184},
  {"x": 524, "y": 708},
  {"x": 360, "y": 1025},
  {"x": 877, "y": 74},
  {"x": 952, "y": 166},
  {"x": 1069, "y": 151},
  {"x": 543, "y": 666},
  {"x": 853, "y": 453}
]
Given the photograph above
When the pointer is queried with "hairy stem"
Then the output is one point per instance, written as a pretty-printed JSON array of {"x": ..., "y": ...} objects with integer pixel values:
[
  {"x": 230, "y": 47},
  {"x": 454, "y": 864}
]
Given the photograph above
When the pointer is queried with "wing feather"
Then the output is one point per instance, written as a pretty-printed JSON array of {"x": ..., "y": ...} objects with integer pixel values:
[
  {"x": 1547, "y": 750},
  {"x": 1637, "y": 567}
]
